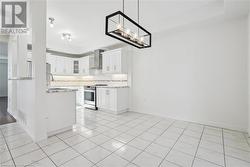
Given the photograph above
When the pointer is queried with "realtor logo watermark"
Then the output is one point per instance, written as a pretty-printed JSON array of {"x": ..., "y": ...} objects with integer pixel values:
[{"x": 13, "y": 17}]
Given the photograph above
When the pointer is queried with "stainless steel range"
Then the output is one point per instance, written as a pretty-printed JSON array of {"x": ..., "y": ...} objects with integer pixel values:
[{"x": 90, "y": 97}]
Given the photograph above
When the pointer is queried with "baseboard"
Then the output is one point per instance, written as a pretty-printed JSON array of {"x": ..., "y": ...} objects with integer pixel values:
[
  {"x": 113, "y": 112},
  {"x": 207, "y": 123},
  {"x": 52, "y": 133}
]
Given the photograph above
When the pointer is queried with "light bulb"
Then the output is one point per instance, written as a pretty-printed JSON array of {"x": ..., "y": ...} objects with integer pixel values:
[
  {"x": 135, "y": 35},
  {"x": 62, "y": 37},
  {"x": 69, "y": 39},
  {"x": 119, "y": 26},
  {"x": 51, "y": 25},
  {"x": 128, "y": 31},
  {"x": 142, "y": 39}
]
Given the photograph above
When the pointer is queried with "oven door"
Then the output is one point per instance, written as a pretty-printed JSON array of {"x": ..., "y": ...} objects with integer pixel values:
[{"x": 89, "y": 97}]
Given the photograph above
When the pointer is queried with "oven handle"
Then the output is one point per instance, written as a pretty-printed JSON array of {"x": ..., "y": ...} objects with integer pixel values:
[{"x": 89, "y": 91}]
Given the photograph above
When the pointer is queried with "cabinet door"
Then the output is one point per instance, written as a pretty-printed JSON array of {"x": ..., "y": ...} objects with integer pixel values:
[
  {"x": 107, "y": 99},
  {"x": 81, "y": 66},
  {"x": 52, "y": 61},
  {"x": 60, "y": 65},
  {"x": 116, "y": 61},
  {"x": 84, "y": 66},
  {"x": 68, "y": 66},
  {"x": 112, "y": 61},
  {"x": 106, "y": 63},
  {"x": 99, "y": 97},
  {"x": 76, "y": 66},
  {"x": 112, "y": 99}
]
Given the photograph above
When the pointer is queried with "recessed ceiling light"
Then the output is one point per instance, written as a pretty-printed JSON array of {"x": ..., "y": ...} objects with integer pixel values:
[
  {"x": 51, "y": 22},
  {"x": 66, "y": 36}
]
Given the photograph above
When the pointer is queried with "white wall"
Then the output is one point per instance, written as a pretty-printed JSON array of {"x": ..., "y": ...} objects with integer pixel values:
[
  {"x": 27, "y": 97},
  {"x": 195, "y": 74}
]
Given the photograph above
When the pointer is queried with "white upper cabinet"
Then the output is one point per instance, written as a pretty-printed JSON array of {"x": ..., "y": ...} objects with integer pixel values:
[
  {"x": 68, "y": 66},
  {"x": 115, "y": 61},
  {"x": 60, "y": 65},
  {"x": 51, "y": 59},
  {"x": 84, "y": 65}
]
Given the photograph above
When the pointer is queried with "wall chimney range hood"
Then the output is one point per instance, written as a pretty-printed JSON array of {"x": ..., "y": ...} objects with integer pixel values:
[{"x": 95, "y": 60}]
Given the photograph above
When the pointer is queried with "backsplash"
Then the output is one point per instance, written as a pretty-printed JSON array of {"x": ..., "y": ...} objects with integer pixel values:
[{"x": 111, "y": 80}]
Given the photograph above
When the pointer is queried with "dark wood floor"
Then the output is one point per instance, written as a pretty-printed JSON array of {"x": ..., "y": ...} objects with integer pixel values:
[{"x": 5, "y": 117}]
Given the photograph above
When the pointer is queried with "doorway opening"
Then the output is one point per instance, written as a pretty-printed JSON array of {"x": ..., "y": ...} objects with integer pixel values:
[{"x": 5, "y": 117}]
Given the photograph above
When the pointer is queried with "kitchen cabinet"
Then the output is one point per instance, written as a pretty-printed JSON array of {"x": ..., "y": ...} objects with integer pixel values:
[
  {"x": 114, "y": 100},
  {"x": 68, "y": 66},
  {"x": 52, "y": 61},
  {"x": 61, "y": 113},
  {"x": 84, "y": 65},
  {"x": 76, "y": 66},
  {"x": 80, "y": 97},
  {"x": 60, "y": 65},
  {"x": 115, "y": 61}
]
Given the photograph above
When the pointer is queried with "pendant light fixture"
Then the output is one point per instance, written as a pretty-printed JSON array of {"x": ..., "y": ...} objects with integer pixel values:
[{"x": 123, "y": 28}]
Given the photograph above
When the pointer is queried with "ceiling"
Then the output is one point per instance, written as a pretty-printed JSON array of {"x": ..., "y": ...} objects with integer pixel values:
[{"x": 85, "y": 19}]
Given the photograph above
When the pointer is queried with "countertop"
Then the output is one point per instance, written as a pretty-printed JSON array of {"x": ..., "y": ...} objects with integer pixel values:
[
  {"x": 21, "y": 78},
  {"x": 112, "y": 86},
  {"x": 59, "y": 90}
]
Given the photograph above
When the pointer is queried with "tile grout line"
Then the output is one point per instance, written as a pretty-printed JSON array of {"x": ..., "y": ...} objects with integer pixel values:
[
  {"x": 81, "y": 154},
  {"x": 131, "y": 161},
  {"x": 173, "y": 146},
  {"x": 142, "y": 150},
  {"x": 224, "y": 152},
  {"x": 8, "y": 147},
  {"x": 125, "y": 132},
  {"x": 153, "y": 141},
  {"x": 104, "y": 142},
  {"x": 46, "y": 155},
  {"x": 111, "y": 152},
  {"x": 198, "y": 146}
]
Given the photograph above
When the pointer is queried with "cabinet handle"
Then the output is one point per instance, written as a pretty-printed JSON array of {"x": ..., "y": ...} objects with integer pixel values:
[
  {"x": 115, "y": 67},
  {"x": 107, "y": 68}
]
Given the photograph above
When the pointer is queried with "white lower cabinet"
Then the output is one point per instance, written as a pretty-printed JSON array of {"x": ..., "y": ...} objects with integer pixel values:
[
  {"x": 80, "y": 97},
  {"x": 115, "y": 100}
]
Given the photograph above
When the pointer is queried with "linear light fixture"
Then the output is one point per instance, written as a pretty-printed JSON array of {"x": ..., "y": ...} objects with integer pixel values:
[{"x": 123, "y": 28}]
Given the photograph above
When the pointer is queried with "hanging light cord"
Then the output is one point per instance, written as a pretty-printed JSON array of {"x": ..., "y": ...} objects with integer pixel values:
[
  {"x": 138, "y": 16},
  {"x": 122, "y": 6},
  {"x": 138, "y": 10}
]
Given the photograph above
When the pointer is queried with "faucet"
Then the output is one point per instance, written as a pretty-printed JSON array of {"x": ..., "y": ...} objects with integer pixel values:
[
  {"x": 52, "y": 77},
  {"x": 48, "y": 79}
]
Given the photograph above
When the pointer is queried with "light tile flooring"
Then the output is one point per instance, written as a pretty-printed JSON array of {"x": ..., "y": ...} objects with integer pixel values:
[{"x": 133, "y": 140}]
